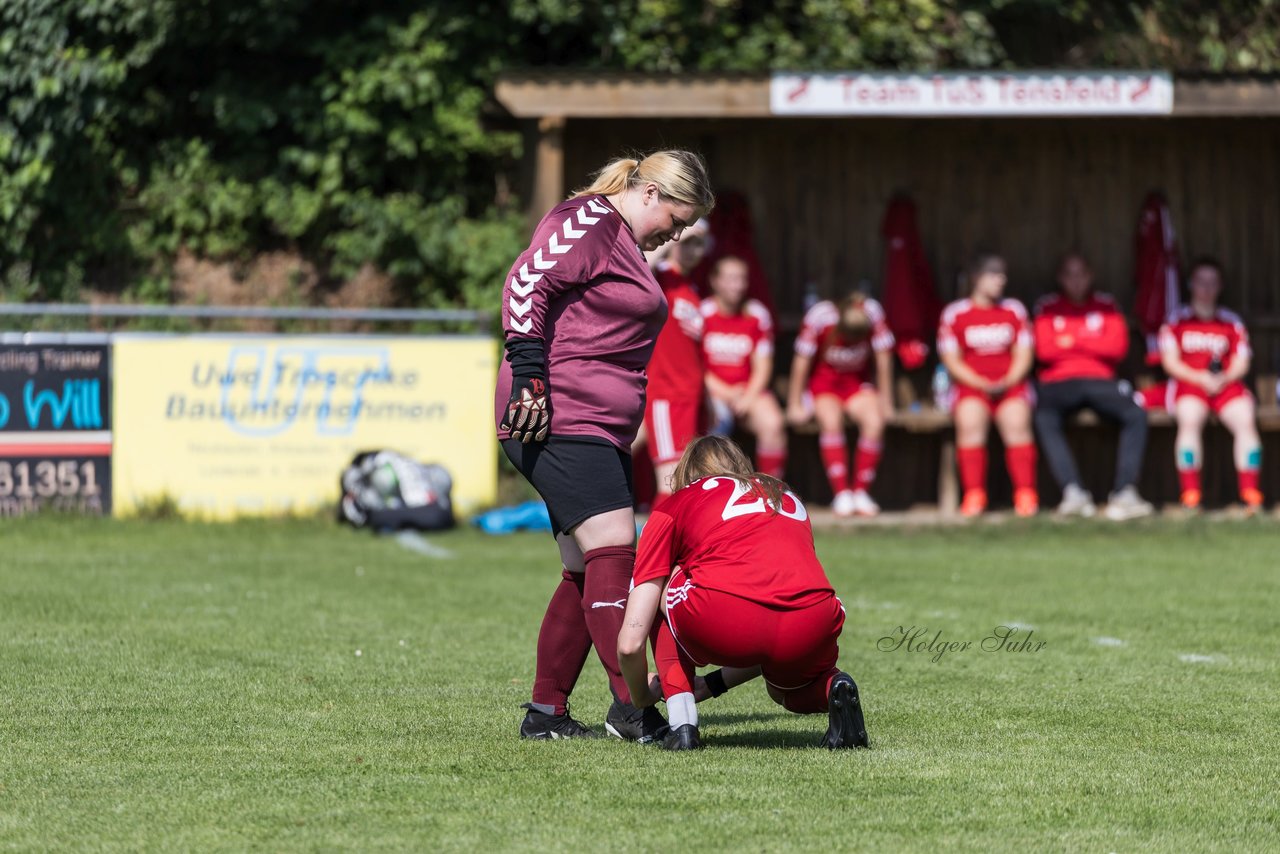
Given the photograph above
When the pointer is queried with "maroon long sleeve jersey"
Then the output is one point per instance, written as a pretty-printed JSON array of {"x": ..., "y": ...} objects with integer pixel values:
[{"x": 584, "y": 289}]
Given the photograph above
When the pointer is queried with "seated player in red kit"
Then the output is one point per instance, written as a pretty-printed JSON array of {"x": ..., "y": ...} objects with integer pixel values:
[
  {"x": 985, "y": 343},
  {"x": 1205, "y": 350},
  {"x": 737, "y": 346},
  {"x": 729, "y": 561},
  {"x": 844, "y": 360}
]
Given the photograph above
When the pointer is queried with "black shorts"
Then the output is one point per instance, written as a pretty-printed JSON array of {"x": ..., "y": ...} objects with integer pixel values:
[{"x": 577, "y": 477}]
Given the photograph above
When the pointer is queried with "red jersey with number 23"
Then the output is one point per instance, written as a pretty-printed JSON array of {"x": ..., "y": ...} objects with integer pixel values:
[{"x": 724, "y": 535}]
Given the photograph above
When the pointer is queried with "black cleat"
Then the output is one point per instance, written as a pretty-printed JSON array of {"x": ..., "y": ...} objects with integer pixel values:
[
  {"x": 643, "y": 726},
  {"x": 846, "y": 727},
  {"x": 683, "y": 737},
  {"x": 539, "y": 725}
]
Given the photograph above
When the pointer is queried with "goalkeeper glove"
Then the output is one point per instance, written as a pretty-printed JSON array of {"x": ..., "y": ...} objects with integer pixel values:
[{"x": 528, "y": 415}]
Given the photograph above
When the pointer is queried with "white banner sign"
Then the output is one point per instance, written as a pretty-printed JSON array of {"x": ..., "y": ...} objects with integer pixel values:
[{"x": 989, "y": 94}]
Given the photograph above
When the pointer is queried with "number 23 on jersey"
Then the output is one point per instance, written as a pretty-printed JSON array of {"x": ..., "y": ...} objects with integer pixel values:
[{"x": 736, "y": 505}]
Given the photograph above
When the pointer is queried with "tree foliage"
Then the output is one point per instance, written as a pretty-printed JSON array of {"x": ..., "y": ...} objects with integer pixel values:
[{"x": 357, "y": 133}]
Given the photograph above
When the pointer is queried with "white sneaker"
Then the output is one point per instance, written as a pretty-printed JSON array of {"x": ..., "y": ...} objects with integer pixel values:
[
  {"x": 863, "y": 505},
  {"x": 1076, "y": 502},
  {"x": 844, "y": 504},
  {"x": 1127, "y": 504}
]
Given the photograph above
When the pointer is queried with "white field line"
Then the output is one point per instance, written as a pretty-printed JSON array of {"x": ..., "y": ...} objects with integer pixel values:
[
  {"x": 1106, "y": 641},
  {"x": 1198, "y": 658},
  {"x": 415, "y": 542}
]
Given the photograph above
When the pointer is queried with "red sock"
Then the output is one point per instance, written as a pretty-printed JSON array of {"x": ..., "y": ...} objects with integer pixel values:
[
  {"x": 972, "y": 463},
  {"x": 1248, "y": 479},
  {"x": 1021, "y": 462},
  {"x": 674, "y": 669},
  {"x": 1190, "y": 479},
  {"x": 773, "y": 462},
  {"x": 834, "y": 451},
  {"x": 812, "y": 698},
  {"x": 865, "y": 460},
  {"x": 563, "y": 645},
  {"x": 604, "y": 598}
]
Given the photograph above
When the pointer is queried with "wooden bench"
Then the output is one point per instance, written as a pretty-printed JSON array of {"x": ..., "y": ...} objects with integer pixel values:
[
  {"x": 917, "y": 417},
  {"x": 929, "y": 420}
]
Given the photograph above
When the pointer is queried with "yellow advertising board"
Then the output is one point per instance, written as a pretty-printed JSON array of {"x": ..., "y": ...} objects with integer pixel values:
[{"x": 253, "y": 425}]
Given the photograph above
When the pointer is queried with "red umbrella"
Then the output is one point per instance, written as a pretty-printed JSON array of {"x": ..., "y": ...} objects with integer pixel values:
[
  {"x": 1155, "y": 271},
  {"x": 911, "y": 304},
  {"x": 733, "y": 234}
]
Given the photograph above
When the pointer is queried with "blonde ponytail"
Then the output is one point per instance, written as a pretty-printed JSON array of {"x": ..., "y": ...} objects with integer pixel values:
[
  {"x": 615, "y": 177},
  {"x": 679, "y": 175}
]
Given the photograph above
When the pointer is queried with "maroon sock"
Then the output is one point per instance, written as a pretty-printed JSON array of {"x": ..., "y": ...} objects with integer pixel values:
[
  {"x": 563, "y": 645},
  {"x": 812, "y": 698},
  {"x": 604, "y": 598}
]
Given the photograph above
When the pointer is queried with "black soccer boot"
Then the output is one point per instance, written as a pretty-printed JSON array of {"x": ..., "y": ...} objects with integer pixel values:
[
  {"x": 540, "y": 725},
  {"x": 643, "y": 726},
  {"x": 683, "y": 737},
  {"x": 846, "y": 727}
]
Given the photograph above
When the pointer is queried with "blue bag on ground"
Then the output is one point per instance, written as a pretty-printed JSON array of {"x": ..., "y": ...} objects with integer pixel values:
[{"x": 529, "y": 516}]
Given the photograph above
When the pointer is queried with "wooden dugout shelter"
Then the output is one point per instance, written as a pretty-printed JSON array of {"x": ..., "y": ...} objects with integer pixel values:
[{"x": 1028, "y": 186}]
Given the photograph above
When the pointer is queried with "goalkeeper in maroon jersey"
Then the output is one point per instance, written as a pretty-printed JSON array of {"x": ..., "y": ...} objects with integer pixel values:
[
  {"x": 729, "y": 561},
  {"x": 580, "y": 313}
]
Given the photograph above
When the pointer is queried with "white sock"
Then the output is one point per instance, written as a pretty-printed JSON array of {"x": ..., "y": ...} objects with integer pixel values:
[{"x": 681, "y": 710}]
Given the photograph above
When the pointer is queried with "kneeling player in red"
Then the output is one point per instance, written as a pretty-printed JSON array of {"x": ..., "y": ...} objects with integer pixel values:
[{"x": 729, "y": 561}]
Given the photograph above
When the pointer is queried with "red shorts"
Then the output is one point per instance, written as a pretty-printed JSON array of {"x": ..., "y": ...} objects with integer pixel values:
[
  {"x": 670, "y": 425},
  {"x": 1156, "y": 397},
  {"x": 1229, "y": 393},
  {"x": 843, "y": 386},
  {"x": 792, "y": 646},
  {"x": 1021, "y": 391}
]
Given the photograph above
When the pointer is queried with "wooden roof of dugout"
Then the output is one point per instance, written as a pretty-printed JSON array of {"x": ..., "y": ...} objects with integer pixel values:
[{"x": 577, "y": 94}]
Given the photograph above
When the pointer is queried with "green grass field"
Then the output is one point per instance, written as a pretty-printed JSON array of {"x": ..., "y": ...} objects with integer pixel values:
[{"x": 294, "y": 686}]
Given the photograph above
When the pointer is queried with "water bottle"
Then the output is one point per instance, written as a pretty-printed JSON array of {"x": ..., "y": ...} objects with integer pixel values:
[
  {"x": 941, "y": 388},
  {"x": 810, "y": 295},
  {"x": 723, "y": 418}
]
